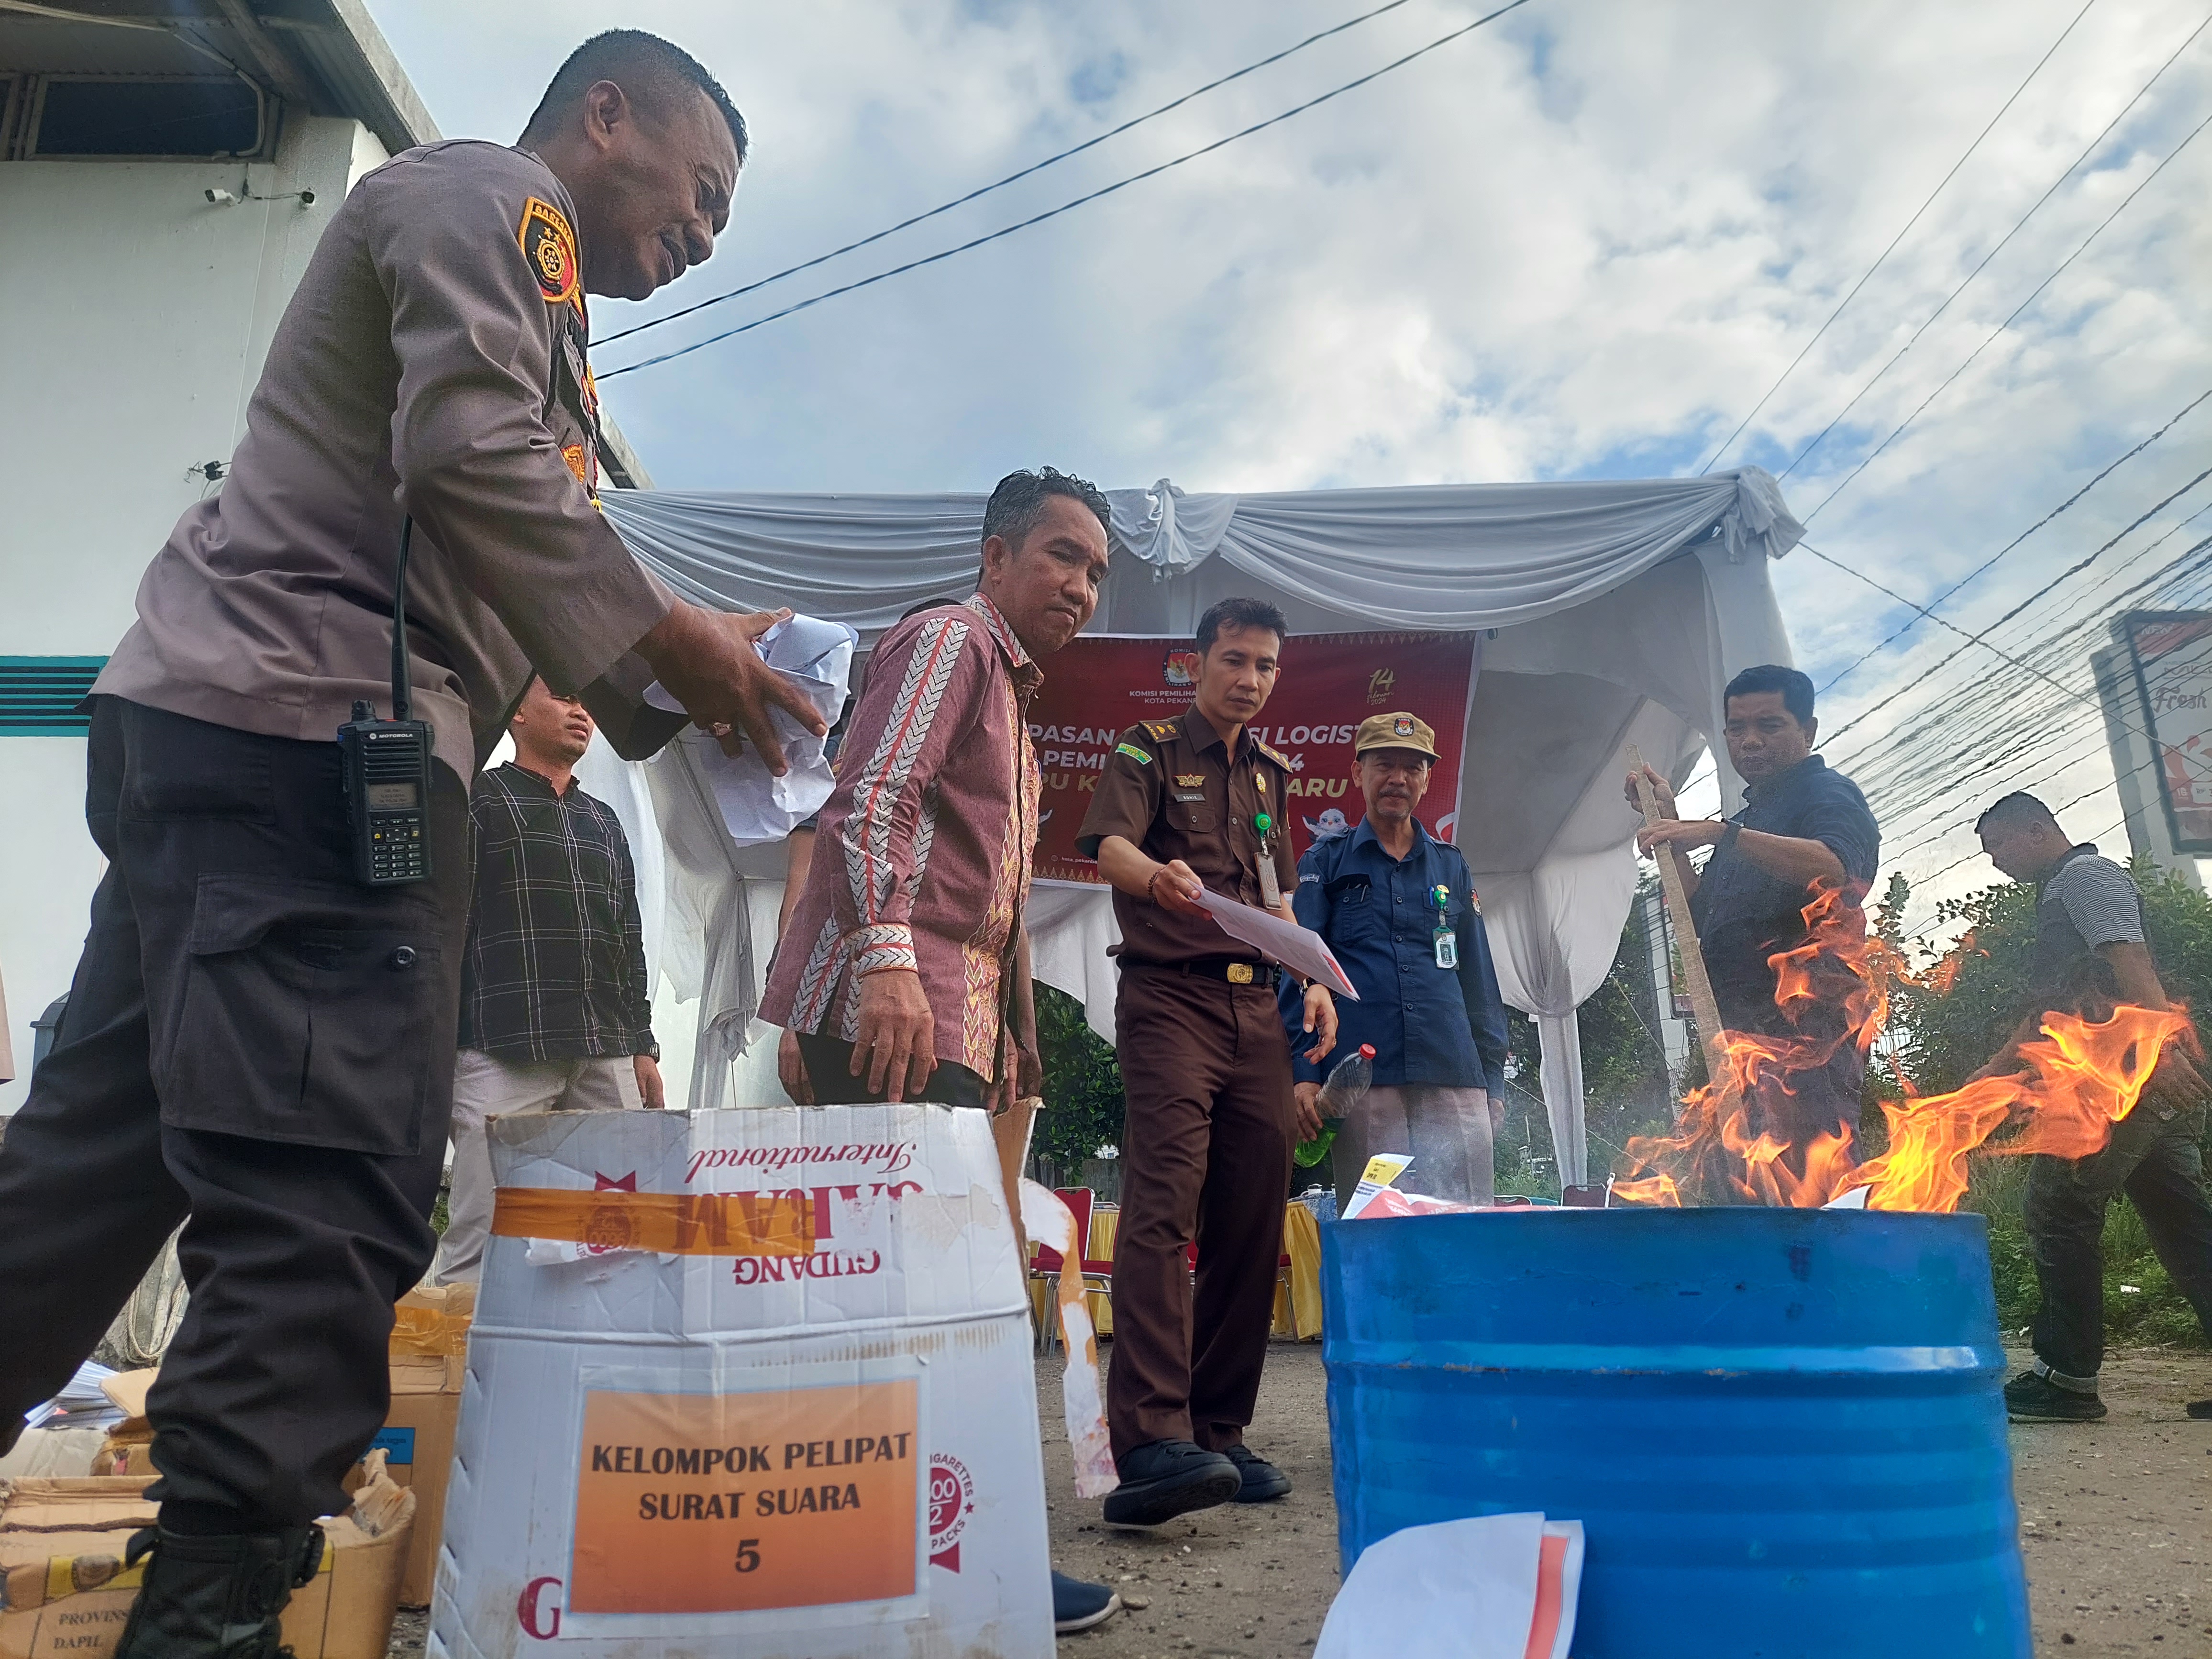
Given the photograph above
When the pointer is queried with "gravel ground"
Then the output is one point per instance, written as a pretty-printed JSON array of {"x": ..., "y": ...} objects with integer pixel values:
[
  {"x": 2116, "y": 1523},
  {"x": 2116, "y": 1517}
]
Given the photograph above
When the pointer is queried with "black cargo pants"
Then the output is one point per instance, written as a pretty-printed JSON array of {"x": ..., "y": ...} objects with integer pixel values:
[
  {"x": 2154, "y": 1158},
  {"x": 260, "y": 1049}
]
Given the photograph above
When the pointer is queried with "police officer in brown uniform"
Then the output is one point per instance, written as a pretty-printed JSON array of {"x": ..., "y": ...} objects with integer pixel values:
[
  {"x": 1205, "y": 1074},
  {"x": 259, "y": 1042}
]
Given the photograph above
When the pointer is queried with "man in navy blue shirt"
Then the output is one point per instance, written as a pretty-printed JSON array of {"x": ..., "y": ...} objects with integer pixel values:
[
  {"x": 1803, "y": 828},
  {"x": 1399, "y": 908}
]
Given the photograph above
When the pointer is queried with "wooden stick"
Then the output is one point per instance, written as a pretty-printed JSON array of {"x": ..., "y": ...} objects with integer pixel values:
[{"x": 1674, "y": 866}]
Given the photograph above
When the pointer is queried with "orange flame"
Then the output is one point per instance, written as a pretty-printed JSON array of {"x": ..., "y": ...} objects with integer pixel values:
[
  {"x": 2083, "y": 1078},
  {"x": 1945, "y": 974},
  {"x": 1741, "y": 1140}
]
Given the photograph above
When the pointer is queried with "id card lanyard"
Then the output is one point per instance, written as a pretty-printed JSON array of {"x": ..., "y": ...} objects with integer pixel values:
[{"x": 1446, "y": 941}]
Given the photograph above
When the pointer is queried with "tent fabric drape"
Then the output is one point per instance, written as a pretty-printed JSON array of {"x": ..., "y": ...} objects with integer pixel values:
[
  {"x": 1614, "y": 611},
  {"x": 1453, "y": 556}
]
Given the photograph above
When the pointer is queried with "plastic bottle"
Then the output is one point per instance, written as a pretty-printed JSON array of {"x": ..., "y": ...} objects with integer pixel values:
[
  {"x": 1353, "y": 1075},
  {"x": 1348, "y": 1083}
]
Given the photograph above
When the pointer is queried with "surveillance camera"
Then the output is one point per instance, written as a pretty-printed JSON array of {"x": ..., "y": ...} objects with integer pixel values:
[
  {"x": 221, "y": 197},
  {"x": 306, "y": 198}
]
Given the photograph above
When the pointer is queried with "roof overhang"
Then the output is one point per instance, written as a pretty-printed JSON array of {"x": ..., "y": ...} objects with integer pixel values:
[{"x": 326, "y": 57}]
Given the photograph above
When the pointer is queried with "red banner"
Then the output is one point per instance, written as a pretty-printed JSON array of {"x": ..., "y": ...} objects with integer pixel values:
[{"x": 1098, "y": 687}]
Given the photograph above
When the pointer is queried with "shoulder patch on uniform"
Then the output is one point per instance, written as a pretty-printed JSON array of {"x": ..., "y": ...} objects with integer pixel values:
[
  {"x": 550, "y": 246},
  {"x": 1474, "y": 901},
  {"x": 1160, "y": 729},
  {"x": 1273, "y": 753},
  {"x": 1134, "y": 753}
]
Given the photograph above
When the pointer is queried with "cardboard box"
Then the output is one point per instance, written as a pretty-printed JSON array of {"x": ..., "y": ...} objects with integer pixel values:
[
  {"x": 429, "y": 1354},
  {"x": 429, "y": 1344},
  {"x": 67, "y": 1593},
  {"x": 125, "y": 1450}
]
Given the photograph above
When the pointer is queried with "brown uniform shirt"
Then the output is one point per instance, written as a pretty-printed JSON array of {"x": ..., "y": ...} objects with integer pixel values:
[
  {"x": 1172, "y": 788},
  {"x": 430, "y": 362}
]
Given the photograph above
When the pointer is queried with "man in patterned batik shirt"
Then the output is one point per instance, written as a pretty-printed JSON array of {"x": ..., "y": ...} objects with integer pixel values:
[
  {"x": 901, "y": 970},
  {"x": 895, "y": 969}
]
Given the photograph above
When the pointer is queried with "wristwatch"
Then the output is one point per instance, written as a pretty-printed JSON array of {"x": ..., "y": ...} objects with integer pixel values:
[{"x": 651, "y": 1052}]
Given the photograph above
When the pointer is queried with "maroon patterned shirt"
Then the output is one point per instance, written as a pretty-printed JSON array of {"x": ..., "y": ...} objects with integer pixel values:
[{"x": 923, "y": 854}]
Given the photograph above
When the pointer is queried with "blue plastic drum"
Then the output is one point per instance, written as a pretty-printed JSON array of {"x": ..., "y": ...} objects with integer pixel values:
[{"x": 1783, "y": 1430}]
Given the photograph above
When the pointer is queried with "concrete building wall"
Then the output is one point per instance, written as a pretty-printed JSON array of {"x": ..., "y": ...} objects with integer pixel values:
[{"x": 134, "y": 319}]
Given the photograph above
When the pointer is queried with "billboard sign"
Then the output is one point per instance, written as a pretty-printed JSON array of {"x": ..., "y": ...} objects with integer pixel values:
[
  {"x": 1101, "y": 684},
  {"x": 2171, "y": 652}
]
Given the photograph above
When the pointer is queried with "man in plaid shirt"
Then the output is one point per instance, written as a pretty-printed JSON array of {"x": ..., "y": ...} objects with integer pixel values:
[{"x": 555, "y": 1014}]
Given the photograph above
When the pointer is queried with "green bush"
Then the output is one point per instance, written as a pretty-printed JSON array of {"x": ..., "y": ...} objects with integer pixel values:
[{"x": 1082, "y": 1085}]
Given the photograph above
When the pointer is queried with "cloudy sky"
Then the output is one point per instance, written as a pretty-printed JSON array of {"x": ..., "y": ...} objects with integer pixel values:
[{"x": 1583, "y": 241}]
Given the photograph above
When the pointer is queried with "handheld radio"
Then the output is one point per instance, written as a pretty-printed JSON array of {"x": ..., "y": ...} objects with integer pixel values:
[{"x": 384, "y": 768}]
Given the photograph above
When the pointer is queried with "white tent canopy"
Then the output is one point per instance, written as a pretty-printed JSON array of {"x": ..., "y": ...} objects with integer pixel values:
[{"x": 1612, "y": 613}]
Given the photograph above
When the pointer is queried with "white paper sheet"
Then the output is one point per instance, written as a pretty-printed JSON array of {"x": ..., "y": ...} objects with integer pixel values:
[
  {"x": 1299, "y": 949},
  {"x": 815, "y": 657},
  {"x": 1383, "y": 1169},
  {"x": 1458, "y": 1590}
]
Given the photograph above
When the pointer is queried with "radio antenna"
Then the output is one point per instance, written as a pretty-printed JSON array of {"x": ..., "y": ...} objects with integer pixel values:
[{"x": 401, "y": 704}]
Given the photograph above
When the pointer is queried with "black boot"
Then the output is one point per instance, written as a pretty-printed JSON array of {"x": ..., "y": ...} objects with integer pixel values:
[{"x": 215, "y": 1598}]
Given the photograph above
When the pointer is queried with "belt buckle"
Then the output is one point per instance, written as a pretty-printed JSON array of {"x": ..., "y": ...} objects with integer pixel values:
[{"x": 1240, "y": 973}]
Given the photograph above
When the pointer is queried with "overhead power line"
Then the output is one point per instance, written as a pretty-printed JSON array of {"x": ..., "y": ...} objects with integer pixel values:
[
  {"x": 2028, "y": 761},
  {"x": 1980, "y": 637},
  {"x": 1992, "y": 708},
  {"x": 1014, "y": 177},
  {"x": 1079, "y": 200},
  {"x": 2071, "y": 168},
  {"x": 1920, "y": 408},
  {"x": 2001, "y": 720},
  {"x": 1978, "y": 570},
  {"x": 1869, "y": 275}
]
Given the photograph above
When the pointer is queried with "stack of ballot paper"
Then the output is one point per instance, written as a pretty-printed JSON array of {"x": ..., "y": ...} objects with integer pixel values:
[
  {"x": 1490, "y": 1587},
  {"x": 80, "y": 1405},
  {"x": 816, "y": 657}
]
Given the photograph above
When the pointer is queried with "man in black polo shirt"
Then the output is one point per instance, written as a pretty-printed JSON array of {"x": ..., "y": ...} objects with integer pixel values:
[
  {"x": 1803, "y": 828},
  {"x": 2092, "y": 951}
]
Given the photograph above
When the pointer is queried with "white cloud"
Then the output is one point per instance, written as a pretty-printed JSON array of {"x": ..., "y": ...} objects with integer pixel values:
[{"x": 1582, "y": 241}]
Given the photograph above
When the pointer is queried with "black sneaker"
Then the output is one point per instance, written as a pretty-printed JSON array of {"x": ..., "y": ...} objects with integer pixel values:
[
  {"x": 1263, "y": 1481},
  {"x": 2031, "y": 1397},
  {"x": 215, "y": 1598},
  {"x": 1079, "y": 1606},
  {"x": 1162, "y": 1479}
]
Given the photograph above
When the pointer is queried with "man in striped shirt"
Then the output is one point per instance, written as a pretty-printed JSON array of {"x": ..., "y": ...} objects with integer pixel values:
[
  {"x": 896, "y": 968},
  {"x": 901, "y": 969}
]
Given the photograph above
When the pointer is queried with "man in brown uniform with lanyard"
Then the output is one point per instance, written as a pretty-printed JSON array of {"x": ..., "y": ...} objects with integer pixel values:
[
  {"x": 259, "y": 1042},
  {"x": 1186, "y": 804}
]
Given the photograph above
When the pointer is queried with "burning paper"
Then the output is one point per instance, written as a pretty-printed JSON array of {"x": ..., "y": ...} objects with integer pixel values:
[{"x": 1733, "y": 1145}]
